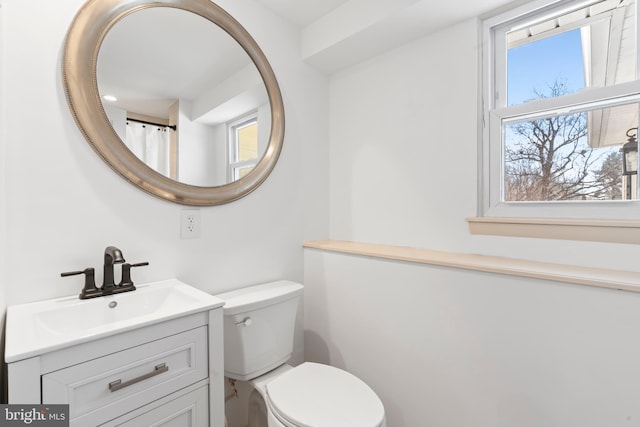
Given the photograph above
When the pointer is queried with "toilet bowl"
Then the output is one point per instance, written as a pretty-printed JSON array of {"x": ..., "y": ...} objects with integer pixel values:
[{"x": 258, "y": 336}]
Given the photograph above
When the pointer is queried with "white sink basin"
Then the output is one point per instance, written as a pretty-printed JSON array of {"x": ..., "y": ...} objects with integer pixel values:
[{"x": 39, "y": 327}]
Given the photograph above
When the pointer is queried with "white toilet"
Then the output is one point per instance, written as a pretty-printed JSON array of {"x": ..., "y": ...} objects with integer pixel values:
[{"x": 259, "y": 323}]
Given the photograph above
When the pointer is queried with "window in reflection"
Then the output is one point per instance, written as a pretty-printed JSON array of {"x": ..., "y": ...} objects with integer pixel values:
[{"x": 243, "y": 146}]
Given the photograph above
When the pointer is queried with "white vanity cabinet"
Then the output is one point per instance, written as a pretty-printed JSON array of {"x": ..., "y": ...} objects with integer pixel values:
[{"x": 168, "y": 373}]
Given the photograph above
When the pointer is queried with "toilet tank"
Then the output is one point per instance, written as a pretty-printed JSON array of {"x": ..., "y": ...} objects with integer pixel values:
[{"x": 259, "y": 322}]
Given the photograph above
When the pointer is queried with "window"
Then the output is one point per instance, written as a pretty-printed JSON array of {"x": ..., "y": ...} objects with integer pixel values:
[
  {"x": 560, "y": 101},
  {"x": 243, "y": 146}
]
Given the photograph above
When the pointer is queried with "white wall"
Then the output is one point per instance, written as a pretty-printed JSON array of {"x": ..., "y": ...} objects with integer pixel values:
[
  {"x": 118, "y": 119},
  {"x": 220, "y": 154},
  {"x": 447, "y": 347},
  {"x": 404, "y": 147},
  {"x": 63, "y": 205},
  {"x": 198, "y": 148}
]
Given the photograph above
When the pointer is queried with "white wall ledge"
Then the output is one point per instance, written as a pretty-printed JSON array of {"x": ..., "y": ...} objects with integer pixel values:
[{"x": 603, "y": 278}]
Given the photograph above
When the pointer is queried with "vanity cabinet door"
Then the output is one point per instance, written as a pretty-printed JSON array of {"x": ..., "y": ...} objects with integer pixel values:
[
  {"x": 188, "y": 410},
  {"x": 126, "y": 380}
]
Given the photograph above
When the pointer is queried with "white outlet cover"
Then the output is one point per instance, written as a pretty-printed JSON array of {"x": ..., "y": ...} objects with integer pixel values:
[{"x": 190, "y": 224}]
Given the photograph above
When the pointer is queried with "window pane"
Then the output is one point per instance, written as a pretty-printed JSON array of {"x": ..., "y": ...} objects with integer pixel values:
[
  {"x": 591, "y": 47},
  {"x": 248, "y": 142},
  {"x": 242, "y": 171},
  {"x": 570, "y": 157}
]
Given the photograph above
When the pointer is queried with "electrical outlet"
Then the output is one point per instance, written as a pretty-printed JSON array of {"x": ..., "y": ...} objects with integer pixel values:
[{"x": 190, "y": 224}]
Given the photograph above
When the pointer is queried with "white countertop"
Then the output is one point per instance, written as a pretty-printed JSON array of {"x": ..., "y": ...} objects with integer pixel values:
[{"x": 40, "y": 327}]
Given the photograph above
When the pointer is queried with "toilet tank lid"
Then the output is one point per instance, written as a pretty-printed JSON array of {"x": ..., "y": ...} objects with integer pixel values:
[{"x": 258, "y": 296}]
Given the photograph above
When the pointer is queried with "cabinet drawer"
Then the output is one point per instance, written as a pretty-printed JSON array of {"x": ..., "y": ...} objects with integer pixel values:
[
  {"x": 187, "y": 410},
  {"x": 131, "y": 378}
]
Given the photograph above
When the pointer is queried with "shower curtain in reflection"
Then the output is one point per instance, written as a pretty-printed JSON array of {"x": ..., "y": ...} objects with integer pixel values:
[{"x": 150, "y": 144}]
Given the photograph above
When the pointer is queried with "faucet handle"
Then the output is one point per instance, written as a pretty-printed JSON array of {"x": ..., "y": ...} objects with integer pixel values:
[
  {"x": 126, "y": 274},
  {"x": 89, "y": 290},
  {"x": 140, "y": 264}
]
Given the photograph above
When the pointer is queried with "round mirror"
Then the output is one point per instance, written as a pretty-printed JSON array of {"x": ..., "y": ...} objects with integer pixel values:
[{"x": 179, "y": 98}]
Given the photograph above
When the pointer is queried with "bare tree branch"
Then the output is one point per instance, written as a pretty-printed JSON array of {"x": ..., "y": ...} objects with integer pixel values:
[{"x": 550, "y": 159}]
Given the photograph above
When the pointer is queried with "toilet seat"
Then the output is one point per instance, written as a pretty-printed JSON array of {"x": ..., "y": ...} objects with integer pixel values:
[{"x": 315, "y": 395}]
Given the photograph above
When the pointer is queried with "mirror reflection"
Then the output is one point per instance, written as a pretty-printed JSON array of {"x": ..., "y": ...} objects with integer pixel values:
[{"x": 183, "y": 96}]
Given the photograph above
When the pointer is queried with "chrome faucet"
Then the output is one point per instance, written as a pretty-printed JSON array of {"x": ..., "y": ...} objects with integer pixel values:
[{"x": 112, "y": 255}]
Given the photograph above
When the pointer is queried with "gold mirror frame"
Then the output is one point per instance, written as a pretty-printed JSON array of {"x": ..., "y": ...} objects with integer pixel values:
[{"x": 83, "y": 41}]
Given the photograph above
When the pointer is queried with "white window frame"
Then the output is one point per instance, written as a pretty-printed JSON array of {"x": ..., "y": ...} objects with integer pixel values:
[
  {"x": 494, "y": 214},
  {"x": 234, "y": 165}
]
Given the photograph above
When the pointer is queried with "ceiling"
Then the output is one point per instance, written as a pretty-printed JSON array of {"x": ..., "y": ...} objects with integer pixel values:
[
  {"x": 305, "y": 12},
  {"x": 336, "y": 34},
  {"x": 302, "y": 12}
]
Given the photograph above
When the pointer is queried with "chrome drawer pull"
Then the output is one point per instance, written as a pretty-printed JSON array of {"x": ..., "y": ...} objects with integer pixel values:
[{"x": 118, "y": 384}]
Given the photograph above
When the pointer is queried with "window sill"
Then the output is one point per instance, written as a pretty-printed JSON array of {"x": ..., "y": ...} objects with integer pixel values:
[
  {"x": 594, "y": 230},
  {"x": 598, "y": 277}
]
